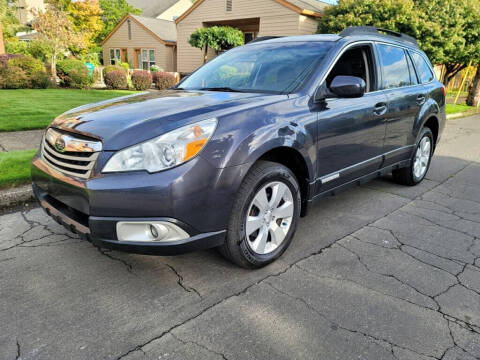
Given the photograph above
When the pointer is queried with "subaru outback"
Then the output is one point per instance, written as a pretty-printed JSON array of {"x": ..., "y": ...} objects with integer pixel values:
[{"x": 235, "y": 153}]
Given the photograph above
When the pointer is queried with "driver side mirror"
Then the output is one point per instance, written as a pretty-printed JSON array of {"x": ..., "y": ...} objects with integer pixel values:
[
  {"x": 348, "y": 86},
  {"x": 342, "y": 87}
]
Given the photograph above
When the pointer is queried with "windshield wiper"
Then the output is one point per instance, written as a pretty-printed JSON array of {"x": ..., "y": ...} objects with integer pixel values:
[{"x": 225, "y": 88}]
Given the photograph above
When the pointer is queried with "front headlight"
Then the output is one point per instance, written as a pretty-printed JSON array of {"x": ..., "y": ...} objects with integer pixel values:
[{"x": 163, "y": 152}]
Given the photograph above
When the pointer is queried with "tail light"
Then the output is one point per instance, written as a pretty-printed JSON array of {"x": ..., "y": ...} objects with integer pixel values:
[{"x": 444, "y": 91}]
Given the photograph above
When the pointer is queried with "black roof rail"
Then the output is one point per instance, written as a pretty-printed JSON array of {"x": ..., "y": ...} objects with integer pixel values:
[
  {"x": 369, "y": 30},
  {"x": 263, "y": 38}
]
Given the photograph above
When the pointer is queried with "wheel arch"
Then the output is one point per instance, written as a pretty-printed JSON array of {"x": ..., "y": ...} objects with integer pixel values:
[{"x": 294, "y": 160}]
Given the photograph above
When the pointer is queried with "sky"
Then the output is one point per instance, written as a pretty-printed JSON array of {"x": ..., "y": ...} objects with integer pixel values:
[{"x": 330, "y": 1}]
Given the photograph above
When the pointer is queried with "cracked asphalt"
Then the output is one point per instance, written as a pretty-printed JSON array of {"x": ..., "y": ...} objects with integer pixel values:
[{"x": 379, "y": 272}]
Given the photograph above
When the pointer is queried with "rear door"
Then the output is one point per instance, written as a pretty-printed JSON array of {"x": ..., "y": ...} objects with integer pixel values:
[{"x": 405, "y": 96}]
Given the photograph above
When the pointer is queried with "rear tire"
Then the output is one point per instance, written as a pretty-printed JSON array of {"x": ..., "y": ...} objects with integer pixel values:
[
  {"x": 267, "y": 206},
  {"x": 420, "y": 162}
]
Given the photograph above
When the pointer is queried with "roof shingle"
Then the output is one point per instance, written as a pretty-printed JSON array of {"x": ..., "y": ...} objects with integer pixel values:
[{"x": 164, "y": 29}]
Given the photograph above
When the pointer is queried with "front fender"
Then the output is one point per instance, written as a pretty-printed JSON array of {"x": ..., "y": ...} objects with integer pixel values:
[{"x": 245, "y": 136}]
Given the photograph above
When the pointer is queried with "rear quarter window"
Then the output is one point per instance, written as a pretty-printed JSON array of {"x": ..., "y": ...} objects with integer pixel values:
[{"x": 424, "y": 71}]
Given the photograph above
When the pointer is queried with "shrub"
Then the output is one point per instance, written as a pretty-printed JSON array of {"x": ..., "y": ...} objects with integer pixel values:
[
  {"x": 141, "y": 80},
  {"x": 35, "y": 48},
  {"x": 109, "y": 68},
  {"x": 155, "y": 68},
  {"x": 13, "y": 77},
  {"x": 73, "y": 73},
  {"x": 164, "y": 80},
  {"x": 41, "y": 80},
  {"x": 5, "y": 57},
  {"x": 116, "y": 80},
  {"x": 124, "y": 65},
  {"x": 28, "y": 64}
]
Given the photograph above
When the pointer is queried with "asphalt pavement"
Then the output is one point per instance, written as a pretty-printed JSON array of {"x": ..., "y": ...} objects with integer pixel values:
[{"x": 381, "y": 271}]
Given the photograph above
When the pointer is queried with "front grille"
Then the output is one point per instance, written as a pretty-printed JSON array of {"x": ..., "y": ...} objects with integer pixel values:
[{"x": 74, "y": 163}]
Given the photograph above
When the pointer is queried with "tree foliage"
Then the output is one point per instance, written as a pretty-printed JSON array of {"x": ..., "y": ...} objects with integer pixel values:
[
  {"x": 447, "y": 30},
  {"x": 113, "y": 12},
  {"x": 217, "y": 38},
  {"x": 86, "y": 19},
  {"x": 56, "y": 30},
  {"x": 10, "y": 24}
]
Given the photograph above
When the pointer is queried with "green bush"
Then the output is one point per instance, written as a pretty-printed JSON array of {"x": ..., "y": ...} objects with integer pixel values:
[
  {"x": 13, "y": 77},
  {"x": 109, "y": 68},
  {"x": 116, "y": 80},
  {"x": 35, "y": 48},
  {"x": 28, "y": 64},
  {"x": 141, "y": 80},
  {"x": 73, "y": 73},
  {"x": 124, "y": 65},
  {"x": 41, "y": 80},
  {"x": 163, "y": 80},
  {"x": 155, "y": 68}
]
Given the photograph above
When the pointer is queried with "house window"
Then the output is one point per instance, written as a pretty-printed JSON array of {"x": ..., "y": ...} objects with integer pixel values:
[
  {"x": 115, "y": 56},
  {"x": 129, "y": 25},
  {"x": 229, "y": 5},
  {"x": 148, "y": 58},
  {"x": 248, "y": 36}
]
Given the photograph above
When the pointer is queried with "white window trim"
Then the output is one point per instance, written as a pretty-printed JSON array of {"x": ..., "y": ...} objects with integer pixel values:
[
  {"x": 115, "y": 59},
  {"x": 150, "y": 63}
]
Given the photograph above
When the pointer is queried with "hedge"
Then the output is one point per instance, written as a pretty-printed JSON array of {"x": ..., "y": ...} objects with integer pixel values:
[
  {"x": 73, "y": 73},
  {"x": 141, "y": 80}
]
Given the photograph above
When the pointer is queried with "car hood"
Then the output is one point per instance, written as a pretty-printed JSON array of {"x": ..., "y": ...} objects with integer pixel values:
[{"x": 128, "y": 120}]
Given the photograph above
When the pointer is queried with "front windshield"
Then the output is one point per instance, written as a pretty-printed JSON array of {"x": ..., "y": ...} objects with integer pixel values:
[{"x": 278, "y": 68}]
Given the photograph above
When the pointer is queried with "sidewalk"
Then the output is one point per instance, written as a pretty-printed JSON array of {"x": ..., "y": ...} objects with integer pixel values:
[{"x": 20, "y": 140}]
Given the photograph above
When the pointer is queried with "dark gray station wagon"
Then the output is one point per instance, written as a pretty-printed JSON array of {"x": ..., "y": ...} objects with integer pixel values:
[{"x": 233, "y": 155}]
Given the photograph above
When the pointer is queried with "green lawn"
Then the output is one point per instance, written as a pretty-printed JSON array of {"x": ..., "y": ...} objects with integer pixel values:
[
  {"x": 453, "y": 109},
  {"x": 27, "y": 109},
  {"x": 15, "y": 167}
]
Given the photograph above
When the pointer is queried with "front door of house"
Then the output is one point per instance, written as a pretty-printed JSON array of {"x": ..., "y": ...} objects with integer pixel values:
[{"x": 137, "y": 58}]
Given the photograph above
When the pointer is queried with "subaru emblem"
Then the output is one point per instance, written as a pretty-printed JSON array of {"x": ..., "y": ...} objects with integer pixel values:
[{"x": 60, "y": 144}]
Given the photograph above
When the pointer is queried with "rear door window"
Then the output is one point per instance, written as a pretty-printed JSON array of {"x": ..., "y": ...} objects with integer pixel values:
[
  {"x": 424, "y": 71},
  {"x": 395, "y": 67}
]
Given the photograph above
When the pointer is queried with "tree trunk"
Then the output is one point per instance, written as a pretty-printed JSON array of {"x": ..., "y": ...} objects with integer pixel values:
[
  {"x": 2, "y": 44},
  {"x": 205, "y": 54},
  {"x": 53, "y": 68},
  {"x": 450, "y": 71},
  {"x": 474, "y": 93}
]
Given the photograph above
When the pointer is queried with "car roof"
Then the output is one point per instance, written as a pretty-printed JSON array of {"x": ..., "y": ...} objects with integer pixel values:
[{"x": 349, "y": 36}]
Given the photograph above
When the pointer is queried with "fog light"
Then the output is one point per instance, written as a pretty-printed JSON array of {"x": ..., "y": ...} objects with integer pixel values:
[{"x": 154, "y": 231}]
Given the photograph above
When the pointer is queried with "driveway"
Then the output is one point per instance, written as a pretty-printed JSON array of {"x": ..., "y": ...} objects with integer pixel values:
[{"x": 379, "y": 272}]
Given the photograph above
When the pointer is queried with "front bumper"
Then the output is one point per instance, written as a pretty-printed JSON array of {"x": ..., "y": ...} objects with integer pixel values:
[
  {"x": 194, "y": 196},
  {"x": 101, "y": 230}
]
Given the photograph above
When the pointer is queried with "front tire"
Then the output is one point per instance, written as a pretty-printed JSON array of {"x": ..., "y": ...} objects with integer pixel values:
[
  {"x": 420, "y": 162},
  {"x": 264, "y": 216}
]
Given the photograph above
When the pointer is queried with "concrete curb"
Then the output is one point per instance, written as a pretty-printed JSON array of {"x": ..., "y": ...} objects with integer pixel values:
[
  {"x": 461, "y": 115},
  {"x": 16, "y": 196}
]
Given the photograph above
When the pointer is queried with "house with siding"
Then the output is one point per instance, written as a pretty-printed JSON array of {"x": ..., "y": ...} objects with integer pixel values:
[
  {"x": 142, "y": 42},
  {"x": 255, "y": 18},
  {"x": 146, "y": 40}
]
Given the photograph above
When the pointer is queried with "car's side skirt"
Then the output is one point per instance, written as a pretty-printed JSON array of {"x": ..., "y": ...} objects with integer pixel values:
[{"x": 361, "y": 180}]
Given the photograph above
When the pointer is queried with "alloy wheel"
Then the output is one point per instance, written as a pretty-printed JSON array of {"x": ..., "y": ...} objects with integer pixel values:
[
  {"x": 422, "y": 158},
  {"x": 269, "y": 217}
]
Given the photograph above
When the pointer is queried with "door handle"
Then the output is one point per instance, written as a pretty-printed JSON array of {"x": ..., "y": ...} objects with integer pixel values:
[
  {"x": 421, "y": 99},
  {"x": 380, "y": 109}
]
